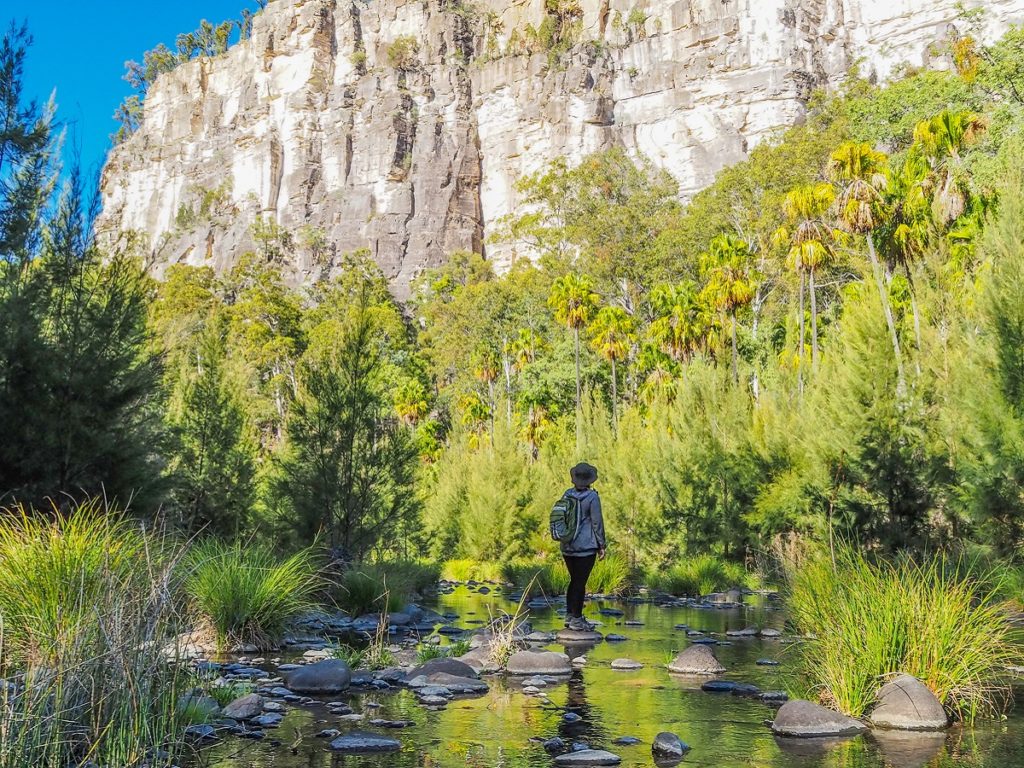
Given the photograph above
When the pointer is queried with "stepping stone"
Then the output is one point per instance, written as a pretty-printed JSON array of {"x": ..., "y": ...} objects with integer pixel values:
[
  {"x": 626, "y": 664},
  {"x": 611, "y": 612},
  {"x": 770, "y": 633},
  {"x": 554, "y": 744},
  {"x": 268, "y": 721},
  {"x": 571, "y": 717},
  {"x": 627, "y": 741},
  {"x": 382, "y": 723},
  {"x": 588, "y": 757},
  {"x": 357, "y": 741},
  {"x": 569, "y": 636},
  {"x": 907, "y": 704},
  {"x": 719, "y": 686},
  {"x": 450, "y": 666},
  {"x": 633, "y": 623},
  {"x": 245, "y": 707},
  {"x": 696, "y": 660},
  {"x": 201, "y": 732},
  {"x": 613, "y": 638},
  {"x": 803, "y": 719},
  {"x": 768, "y": 663}
]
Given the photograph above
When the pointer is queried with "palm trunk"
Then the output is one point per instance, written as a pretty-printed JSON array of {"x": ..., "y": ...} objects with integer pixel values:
[
  {"x": 579, "y": 390},
  {"x": 917, "y": 319},
  {"x": 814, "y": 319},
  {"x": 615, "y": 400},
  {"x": 884, "y": 295},
  {"x": 800, "y": 346},
  {"x": 735, "y": 353}
]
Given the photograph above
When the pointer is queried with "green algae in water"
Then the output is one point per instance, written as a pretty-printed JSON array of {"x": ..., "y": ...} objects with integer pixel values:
[{"x": 722, "y": 730}]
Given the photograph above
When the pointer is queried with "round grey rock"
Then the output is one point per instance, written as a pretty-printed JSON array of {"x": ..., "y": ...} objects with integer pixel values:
[
  {"x": 907, "y": 704},
  {"x": 539, "y": 663},
  {"x": 245, "y": 707},
  {"x": 668, "y": 744},
  {"x": 330, "y": 676},
  {"x": 453, "y": 667},
  {"x": 696, "y": 660},
  {"x": 804, "y": 719}
]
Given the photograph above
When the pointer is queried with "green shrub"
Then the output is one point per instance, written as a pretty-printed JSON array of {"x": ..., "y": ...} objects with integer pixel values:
[
  {"x": 470, "y": 570},
  {"x": 699, "y": 575},
  {"x": 871, "y": 620},
  {"x": 610, "y": 576},
  {"x": 244, "y": 594},
  {"x": 386, "y": 586},
  {"x": 536, "y": 576},
  {"x": 425, "y": 652},
  {"x": 87, "y": 605}
]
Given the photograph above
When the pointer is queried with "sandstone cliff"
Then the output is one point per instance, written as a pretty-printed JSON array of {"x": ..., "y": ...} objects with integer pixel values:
[{"x": 403, "y": 125}]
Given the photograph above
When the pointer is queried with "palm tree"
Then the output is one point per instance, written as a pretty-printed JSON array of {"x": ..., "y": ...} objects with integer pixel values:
[
  {"x": 941, "y": 140},
  {"x": 613, "y": 336},
  {"x": 411, "y": 402},
  {"x": 811, "y": 245},
  {"x": 678, "y": 327},
  {"x": 485, "y": 368},
  {"x": 574, "y": 301},
  {"x": 862, "y": 175},
  {"x": 730, "y": 286}
]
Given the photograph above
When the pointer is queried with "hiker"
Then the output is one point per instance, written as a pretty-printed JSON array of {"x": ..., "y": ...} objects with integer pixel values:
[{"x": 582, "y": 549}]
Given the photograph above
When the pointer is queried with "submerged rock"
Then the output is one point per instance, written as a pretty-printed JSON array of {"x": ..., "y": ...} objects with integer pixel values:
[
  {"x": 588, "y": 757},
  {"x": 330, "y": 676},
  {"x": 803, "y": 719},
  {"x": 357, "y": 741},
  {"x": 626, "y": 664},
  {"x": 668, "y": 744},
  {"x": 696, "y": 660}
]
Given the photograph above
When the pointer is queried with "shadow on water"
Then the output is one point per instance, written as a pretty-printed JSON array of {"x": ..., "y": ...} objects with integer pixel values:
[{"x": 504, "y": 728}]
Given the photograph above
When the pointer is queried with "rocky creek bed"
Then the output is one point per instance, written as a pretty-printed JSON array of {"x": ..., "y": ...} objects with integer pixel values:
[{"x": 617, "y": 702}]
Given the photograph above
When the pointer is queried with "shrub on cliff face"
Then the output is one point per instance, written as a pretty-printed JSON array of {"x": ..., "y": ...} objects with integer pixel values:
[{"x": 403, "y": 52}]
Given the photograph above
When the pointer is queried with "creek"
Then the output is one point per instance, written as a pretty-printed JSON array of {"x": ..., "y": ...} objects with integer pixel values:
[{"x": 723, "y": 730}]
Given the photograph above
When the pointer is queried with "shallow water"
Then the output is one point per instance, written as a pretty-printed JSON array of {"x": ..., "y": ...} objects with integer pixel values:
[{"x": 722, "y": 730}]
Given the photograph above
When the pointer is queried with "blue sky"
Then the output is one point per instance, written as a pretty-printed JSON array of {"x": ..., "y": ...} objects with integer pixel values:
[{"x": 80, "y": 49}]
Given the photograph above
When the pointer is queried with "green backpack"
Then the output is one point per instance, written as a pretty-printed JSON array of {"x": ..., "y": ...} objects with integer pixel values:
[{"x": 565, "y": 518}]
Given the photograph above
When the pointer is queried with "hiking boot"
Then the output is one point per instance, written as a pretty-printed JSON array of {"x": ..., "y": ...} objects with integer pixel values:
[{"x": 579, "y": 624}]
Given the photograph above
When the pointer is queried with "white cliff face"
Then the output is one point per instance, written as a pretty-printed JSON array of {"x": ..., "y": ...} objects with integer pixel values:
[{"x": 311, "y": 124}]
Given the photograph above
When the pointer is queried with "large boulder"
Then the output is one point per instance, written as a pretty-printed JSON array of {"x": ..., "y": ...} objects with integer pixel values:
[
  {"x": 449, "y": 666},
  {"x": 330, "y": 676},
  {"x": 696, "y": 660},
  {"x": 244, "y": 707},
  {"x": 907, "y": 704},
  {"x": 803, "y": 719},
  {"x": 539, "y": 663},
  {"x": 588, "y": 757}
]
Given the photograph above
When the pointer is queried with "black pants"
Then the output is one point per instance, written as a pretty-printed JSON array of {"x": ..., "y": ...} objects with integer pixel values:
[{"x": 579, "y": 572}]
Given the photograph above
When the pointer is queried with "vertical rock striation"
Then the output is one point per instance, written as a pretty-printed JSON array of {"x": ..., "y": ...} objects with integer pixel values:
[{"x": 402, "y": 126}]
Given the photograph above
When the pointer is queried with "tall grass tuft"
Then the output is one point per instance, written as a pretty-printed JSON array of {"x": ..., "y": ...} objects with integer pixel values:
[
  {"x": 470, "y": 570},
  {"x": 610, "y": 576},
  {"x": 536, "y": 576},
  {"x": 871, "y": 620},
  {"x": 700, "y": 575},
  {"x": 87, "y": 609},
  {"x": 381, "y": 587},
  {"x": 245, "y": 594}
]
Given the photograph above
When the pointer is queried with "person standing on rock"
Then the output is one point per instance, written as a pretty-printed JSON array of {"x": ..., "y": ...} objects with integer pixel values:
[{"x": 582, "y": 550}]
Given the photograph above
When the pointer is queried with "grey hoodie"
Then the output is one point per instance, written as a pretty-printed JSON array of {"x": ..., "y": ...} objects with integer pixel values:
[{"x": 590, "y": 536}]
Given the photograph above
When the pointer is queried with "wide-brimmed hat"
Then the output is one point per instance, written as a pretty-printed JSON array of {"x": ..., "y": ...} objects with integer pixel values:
[{"x": 583, "y": 473}]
